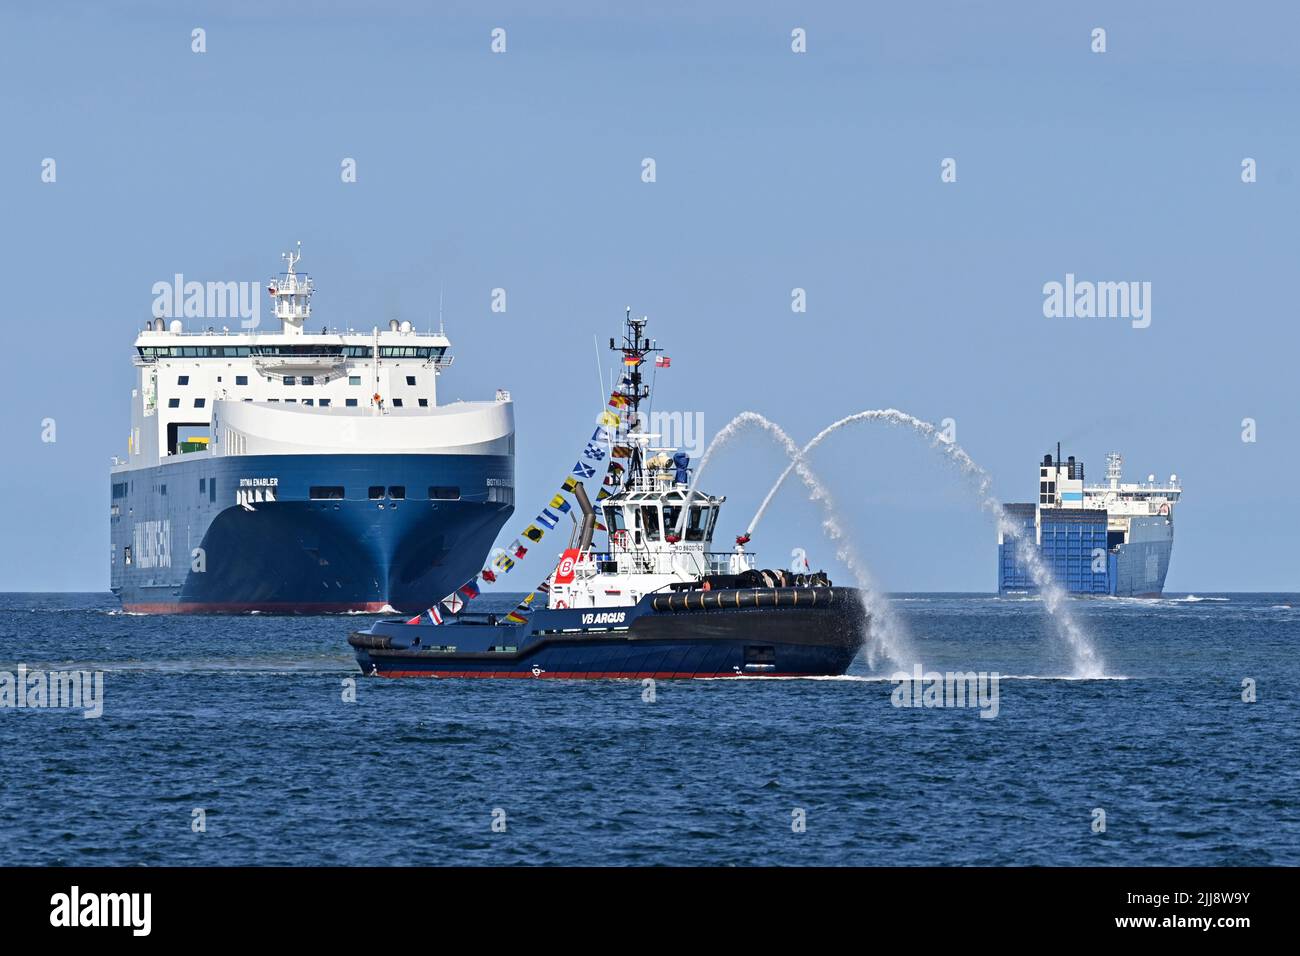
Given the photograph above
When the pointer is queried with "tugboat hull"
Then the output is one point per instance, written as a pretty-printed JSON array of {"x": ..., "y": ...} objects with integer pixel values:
[{"x": 764, "y": 632}]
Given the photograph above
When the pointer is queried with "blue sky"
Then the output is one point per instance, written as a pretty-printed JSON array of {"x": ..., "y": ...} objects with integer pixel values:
[{"x": 775, "y": 170}]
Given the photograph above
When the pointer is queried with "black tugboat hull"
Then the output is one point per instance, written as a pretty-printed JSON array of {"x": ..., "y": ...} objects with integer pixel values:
[{"x": 761, "y": 632}]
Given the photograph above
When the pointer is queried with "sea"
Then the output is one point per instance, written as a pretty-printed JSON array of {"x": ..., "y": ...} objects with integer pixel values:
[{"x": 255, "y": 740}]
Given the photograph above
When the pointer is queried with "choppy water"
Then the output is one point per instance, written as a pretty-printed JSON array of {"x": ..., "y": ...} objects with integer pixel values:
[{"x": 244, "y": 717}]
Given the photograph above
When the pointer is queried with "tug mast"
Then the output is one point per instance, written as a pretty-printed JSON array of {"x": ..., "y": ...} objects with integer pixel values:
[{"x": 634, "y": 349}]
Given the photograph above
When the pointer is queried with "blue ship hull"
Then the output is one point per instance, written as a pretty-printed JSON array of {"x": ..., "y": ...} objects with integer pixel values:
[
  {"x": 1082, "y": 557},
  {"x": 181, "y": 542},
  {"x": 781, "y": 632}
]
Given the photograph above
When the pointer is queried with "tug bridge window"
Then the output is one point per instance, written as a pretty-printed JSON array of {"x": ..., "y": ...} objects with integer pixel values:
[
  {"x": 700, "y": 525},
  {"x": 648, "y": 518},
  {"x": 614, "y": 519},
  {"x": 326, "y": 492}
]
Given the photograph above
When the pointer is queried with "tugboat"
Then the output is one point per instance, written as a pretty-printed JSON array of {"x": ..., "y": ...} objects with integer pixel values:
[{"x": 656, "y": 602}]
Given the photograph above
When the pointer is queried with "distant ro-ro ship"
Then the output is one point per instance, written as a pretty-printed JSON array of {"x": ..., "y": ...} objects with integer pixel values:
[{"x": 1111, "y": 539}]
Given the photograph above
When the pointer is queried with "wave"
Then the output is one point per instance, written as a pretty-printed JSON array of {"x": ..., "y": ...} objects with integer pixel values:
[{"x": 887, "y": 679}]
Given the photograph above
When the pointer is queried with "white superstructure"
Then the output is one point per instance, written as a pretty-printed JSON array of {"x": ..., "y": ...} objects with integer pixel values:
[
  {"x": 1061, "y": 485},
  {"x": 652, "y": 545},
  {"x": 222, "y": 391}
]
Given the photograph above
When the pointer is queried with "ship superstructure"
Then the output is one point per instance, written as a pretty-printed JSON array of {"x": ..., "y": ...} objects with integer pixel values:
[
  {"x": 1109, "y": 539},
  {"x": 302, "y": 470}
]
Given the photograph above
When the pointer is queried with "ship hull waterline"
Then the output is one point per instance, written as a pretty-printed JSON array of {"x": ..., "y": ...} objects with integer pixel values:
[{"x": 779, "y": 632}]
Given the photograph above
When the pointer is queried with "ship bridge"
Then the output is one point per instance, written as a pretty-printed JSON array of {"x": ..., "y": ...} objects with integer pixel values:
[{"x": 183, "y": 373}]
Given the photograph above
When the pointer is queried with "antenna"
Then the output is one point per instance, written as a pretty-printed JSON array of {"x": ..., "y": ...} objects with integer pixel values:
[
  {"x": 600, "y": 375},
  {"x": 634, "y": 349}
]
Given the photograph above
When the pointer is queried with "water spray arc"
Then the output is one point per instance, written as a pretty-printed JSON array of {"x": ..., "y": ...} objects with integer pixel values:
[
  {"x": 1087, "y": 661},
  {"x": 888, "y": 637}
]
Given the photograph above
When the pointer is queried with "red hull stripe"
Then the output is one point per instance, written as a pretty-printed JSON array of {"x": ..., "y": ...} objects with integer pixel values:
[
  {"x": 583, "y": 675},
  {"x": 373, "y": 607}
]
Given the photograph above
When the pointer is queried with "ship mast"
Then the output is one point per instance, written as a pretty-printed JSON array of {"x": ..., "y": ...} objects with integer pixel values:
[{"x": 634, "y": 348}]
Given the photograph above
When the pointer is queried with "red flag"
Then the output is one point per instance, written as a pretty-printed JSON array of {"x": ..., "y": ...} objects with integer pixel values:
[
  {"x": 564, "y": 571},
  {"x": 663, "y": 361}
]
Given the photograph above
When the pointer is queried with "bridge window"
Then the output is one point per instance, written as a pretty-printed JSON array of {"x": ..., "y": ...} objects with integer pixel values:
[
  {"x": 351, "y": 403},
  {"x": 424, "y": 403},
  {"x": 698, "y": 523},
  {"x": 290, "y": 380},
  {"x": 650, "y": 522},
  {"x": 326, "y": 492},
  {"x": 376, "y": 492},
  {"x": 410, "y": 351},
  {"x": 410, "y": 380},
  {"x": 613, "y": 519},
  {"x": 444, "y": 493},
  {"x": 324, "y": 403},
  {"x": 672, "y": 515},
  {"x": 200, "y": 402},
  {"x": 309, "y": 380},
  {"x": 354, "y": 379},
  {"x": 397, "y": 403},
  {"x": 397, "y": 492},
  {"x": 241, "y": 379},
  {"x": 173, "y": 403},
  {"x": 183, "y": 380}
]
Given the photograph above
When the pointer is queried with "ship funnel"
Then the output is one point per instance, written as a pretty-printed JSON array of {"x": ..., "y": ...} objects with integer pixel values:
[{"x": 588, "y": 527}]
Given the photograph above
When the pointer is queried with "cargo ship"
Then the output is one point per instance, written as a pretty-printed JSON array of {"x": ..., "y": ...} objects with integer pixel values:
[
  {"x": 655, "y": 601},
  {"x": 293, "y": 471},
  {"x": 1110, "y": 539}
]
